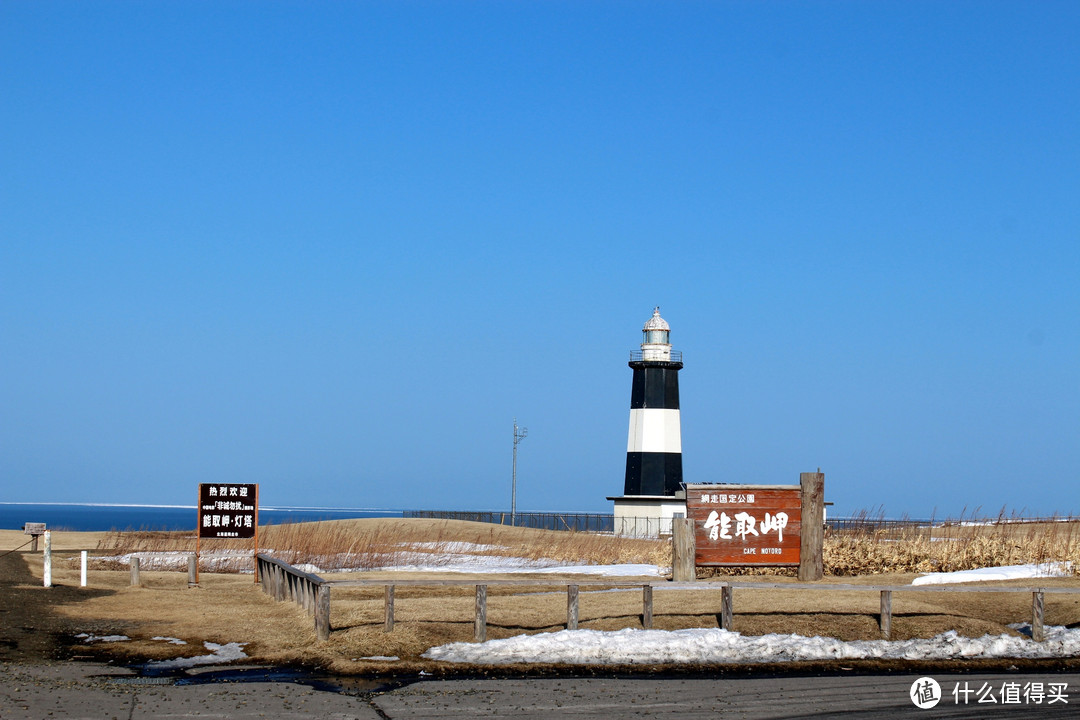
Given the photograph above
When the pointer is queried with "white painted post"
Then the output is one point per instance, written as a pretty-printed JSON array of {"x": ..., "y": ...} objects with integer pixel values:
[
  {"x": 48, "y": 558},
  {"x": 82, "y": 576}
]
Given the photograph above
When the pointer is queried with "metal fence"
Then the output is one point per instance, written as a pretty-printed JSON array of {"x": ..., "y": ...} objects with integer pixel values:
[
  {"x": 644, "y": 527},
  {"x": 876, "y": 525},
  {"x": 580, "y": 522},
  {"x": 873, "y": 524},
  {"x": 657, "y": 527}
]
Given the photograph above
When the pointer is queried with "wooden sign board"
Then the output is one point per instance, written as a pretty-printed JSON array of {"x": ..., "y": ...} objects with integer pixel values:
[
  {"x": 228, "y": 510},
  {"x": 739, "y": 525},
  {"x": 33, "y": 528}
]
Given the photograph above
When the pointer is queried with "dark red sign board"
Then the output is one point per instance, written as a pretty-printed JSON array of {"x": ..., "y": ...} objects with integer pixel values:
[
  {"x": 228, "y": 510},
  {"x": 738, "y": 525}
]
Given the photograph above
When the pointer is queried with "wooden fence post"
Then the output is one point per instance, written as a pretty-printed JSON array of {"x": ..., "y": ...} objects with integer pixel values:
[
  {"x": 571, "y": 607},
  {"x": 682, "y": 550},
  {"x": 388, "y": 611},
  {"x": 193, "y": 571},
  {"x": 812, "y": 533},
  {"x": 727, "y": 602},
  {"x": 134, "y": 572},
  {"x": 885, "y": 619},
  {"x": 480, "y": 629},
  {"x": 322, "y": 613},
  {"x": 646, "y": 606},
  {"x": 1037, "y": 633}
]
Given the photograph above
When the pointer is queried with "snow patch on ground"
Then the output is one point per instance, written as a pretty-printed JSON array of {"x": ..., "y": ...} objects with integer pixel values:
[
  {"x": 456, "y": 547},
  {"x": 466, "y": 563},
  {"x": 213, "y": 561},
  {"x": 489, "y": 564},
  {"x": 631, "y": 647},
  {"x": 170, "y": 640},
  {"x": 1006, "y": 572},
  {"x": 625, "y": 570},
  {"x": 88, "y": 638},
  {"x": 218, "y": 654}
]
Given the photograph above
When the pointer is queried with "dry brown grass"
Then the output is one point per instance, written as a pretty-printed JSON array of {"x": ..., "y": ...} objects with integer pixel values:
[
  {"x": 228, "y": 607},
  {"x": 949, "y": 547},
  {"x": 385, "y": 543},
  {"x": 231, "y": 608}
]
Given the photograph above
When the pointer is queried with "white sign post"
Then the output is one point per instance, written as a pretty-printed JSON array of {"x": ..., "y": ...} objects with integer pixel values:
[{"x": 48, "y": 558}]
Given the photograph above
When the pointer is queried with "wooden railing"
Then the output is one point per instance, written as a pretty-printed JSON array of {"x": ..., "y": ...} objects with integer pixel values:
[{"x": 312, "y": 593}]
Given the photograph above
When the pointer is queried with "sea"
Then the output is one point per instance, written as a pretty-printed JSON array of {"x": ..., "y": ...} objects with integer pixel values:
[{"x": 86, "y": 517}]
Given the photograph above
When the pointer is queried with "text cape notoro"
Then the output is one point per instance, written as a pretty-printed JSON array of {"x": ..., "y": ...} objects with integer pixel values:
[
  {"x": 738, "y": 525},
  {"x": 228, "y": 510}
]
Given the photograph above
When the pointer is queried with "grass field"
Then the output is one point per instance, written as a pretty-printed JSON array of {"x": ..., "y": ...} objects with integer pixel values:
[
  {"x": 378, "y": 543},
  {"x": 229, "y": 607}
]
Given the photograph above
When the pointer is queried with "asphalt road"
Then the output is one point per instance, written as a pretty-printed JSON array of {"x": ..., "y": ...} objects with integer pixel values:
[{"x": 77, "y": 691}]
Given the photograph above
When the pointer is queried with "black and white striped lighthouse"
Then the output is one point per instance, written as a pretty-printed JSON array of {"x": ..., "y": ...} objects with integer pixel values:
[{"x": 654, "y": 445}]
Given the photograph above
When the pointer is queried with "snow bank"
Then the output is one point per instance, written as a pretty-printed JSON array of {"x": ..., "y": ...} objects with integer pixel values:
[
  {"x": 630, "y": 647},
  {"x": 465, "y": 563},
  {"x": 1005, "y": 572},
  {"x": 488, "y": 564},
  {"x": 88, "y": 638},
  {"x": 218, "y": 654},
  {"x": 455, "y": 546},
  {"x": 215, "y": 561}
]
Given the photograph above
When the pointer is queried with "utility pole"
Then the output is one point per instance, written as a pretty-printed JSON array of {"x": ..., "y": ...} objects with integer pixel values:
[{"x": 519, "y": 435}]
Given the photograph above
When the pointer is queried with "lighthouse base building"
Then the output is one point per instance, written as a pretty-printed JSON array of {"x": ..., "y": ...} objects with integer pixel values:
[
  {"x": 647, "y": 516},
  {"x": 652, "y": 490}
]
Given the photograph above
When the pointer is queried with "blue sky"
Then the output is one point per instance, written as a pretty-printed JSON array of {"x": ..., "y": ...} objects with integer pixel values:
[{"x": 337, "y": 247}]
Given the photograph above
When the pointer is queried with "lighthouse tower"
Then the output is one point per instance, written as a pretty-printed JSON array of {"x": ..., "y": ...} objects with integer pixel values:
[{"x": 654, "y": 445}]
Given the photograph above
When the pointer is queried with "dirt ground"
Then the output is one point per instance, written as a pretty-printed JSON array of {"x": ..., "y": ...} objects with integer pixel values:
[{"x": 41, "y": 624}]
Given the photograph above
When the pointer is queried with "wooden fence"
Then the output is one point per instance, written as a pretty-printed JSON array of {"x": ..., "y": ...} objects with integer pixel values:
[{"x": 312, "y": 593}]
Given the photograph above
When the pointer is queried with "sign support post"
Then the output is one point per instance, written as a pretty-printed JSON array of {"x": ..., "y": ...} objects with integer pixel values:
[
  {"x": 812, "y": 537},
  {"x": 255, "y": 552},
  {"x": 198, "y": 537},
  {"x": 682, "y": 550}
]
